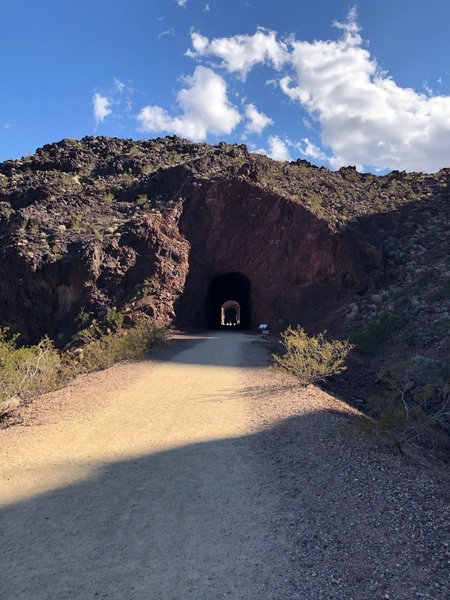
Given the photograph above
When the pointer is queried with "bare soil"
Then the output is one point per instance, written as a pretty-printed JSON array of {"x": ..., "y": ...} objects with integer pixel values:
[{"x": 203, "y": 474}]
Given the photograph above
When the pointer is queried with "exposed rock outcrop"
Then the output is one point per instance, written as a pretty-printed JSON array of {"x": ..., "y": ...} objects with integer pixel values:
[{"x": 147, "y": 226}]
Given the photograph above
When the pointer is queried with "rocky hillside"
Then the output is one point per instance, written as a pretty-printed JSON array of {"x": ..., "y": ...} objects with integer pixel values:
[{"x": 102, "y": 224}]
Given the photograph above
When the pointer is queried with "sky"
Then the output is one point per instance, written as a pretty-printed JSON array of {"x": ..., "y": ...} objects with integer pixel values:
[{"x": 333, "y": 82}]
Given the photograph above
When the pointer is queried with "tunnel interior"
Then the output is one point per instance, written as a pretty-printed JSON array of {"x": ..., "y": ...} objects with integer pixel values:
[
  {"x": 230, "y": 313},
  {"x": 228, "y": 302}
]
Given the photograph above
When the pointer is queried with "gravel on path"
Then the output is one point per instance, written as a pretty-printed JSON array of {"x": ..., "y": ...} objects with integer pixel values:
[{"x": 204, "y": 474}]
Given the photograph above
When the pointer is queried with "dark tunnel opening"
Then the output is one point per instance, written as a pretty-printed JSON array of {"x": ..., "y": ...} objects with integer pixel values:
[{"x": 225, "y": 290}]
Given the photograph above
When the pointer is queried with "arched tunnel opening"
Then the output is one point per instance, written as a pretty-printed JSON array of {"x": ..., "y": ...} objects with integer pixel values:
[{"x": 228, "y": 302}]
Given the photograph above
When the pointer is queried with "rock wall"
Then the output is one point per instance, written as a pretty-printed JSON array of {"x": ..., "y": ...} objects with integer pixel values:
[
  {"x": 299, "y": 270},
  {"x": 142, "y": 270},
  {"x": 91, "y": 225}
]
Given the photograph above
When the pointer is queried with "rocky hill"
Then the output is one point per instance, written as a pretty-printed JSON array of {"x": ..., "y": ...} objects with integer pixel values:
[{"x": 100, "y": 225}]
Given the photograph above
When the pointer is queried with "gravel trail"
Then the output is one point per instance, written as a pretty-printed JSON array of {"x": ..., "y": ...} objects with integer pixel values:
[{"x": 202, "y": 475}]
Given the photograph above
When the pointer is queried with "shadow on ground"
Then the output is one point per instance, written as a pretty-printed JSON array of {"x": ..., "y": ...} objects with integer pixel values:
[
  {"x": 174, "y": 350},
  {"x": 273, "y": 515}
]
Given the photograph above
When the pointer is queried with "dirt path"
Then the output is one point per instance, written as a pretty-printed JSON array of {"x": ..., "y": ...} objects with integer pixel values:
[
  {"x": 154, "y": 491},
  {"x": 202, "y": 475}
]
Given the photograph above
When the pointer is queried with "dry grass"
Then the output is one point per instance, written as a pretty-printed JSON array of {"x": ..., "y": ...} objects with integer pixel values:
[{"x": 28, "y": 371}]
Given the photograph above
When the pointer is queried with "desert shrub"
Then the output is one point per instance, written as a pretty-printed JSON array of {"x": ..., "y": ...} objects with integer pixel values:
[
  {"x": 369, "y": 338},
  {"x": 108, "y": 197},
  {"x": 142, "y": 199},
  {"x": 114, "y": 318},
  {"x": 405, "y": 411},
  {"x": 5, "y": 210},
  {"x": 102, "y": 351},
  {"x": 311, "y": 358},
  {"x": 26, "y": 371},
  {"x": 83, "y": 316},
  {"x": 316, "y": 202}
]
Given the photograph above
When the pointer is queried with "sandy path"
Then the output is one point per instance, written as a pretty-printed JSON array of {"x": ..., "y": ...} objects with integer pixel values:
[
  {"x": 151, "y": 489},
  {"x": 203, "y": 475}
]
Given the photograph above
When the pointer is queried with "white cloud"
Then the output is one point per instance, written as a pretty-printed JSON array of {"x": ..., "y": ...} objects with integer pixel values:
[
  {"x": 181, "y": 3},
  {"x": 166, "y": 32},
  {"x": 350, "y": 26},
  {"x": 119, "y": 85},
  {"x": 278, "y": 149},
  {"x": 101, "y": 106},
  {"x": 240, "y": 53},
  {"x": 205, "y": 109},
  {"x": 309, "y": 150},
  {"x": 206, "y": 7},
  {"x": 260, "y": 151},
  {"x": 256, "y": 121},
  {"x": 365, "y": 117}
]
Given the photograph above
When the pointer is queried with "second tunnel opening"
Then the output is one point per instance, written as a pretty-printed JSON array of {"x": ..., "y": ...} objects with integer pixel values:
[{"x": 228, "y": 302}]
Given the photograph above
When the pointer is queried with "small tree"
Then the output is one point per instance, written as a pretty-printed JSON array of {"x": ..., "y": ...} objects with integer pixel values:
[{"x": 313, "y": 358}]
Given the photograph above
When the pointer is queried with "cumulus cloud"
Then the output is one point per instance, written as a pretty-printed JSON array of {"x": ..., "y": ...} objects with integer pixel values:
[
  {"x": 240, "y": 53},
  {"x": 204, "y": 105},
  {"x": 310, "y": 150},
  {"x": 256, "y": 121},
  {"x": 365, "y": 117},
  {"x": 278, "y": 149},
  {"x": 101, "y": 107}
]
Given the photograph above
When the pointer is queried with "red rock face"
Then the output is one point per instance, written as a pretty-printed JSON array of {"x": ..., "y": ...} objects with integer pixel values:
[
  {"x": 294, "y": 269},
  {"x": 148, "y": 227},
  {"x": 142, "y": 271},
  {"x": 299, "y": 271}
]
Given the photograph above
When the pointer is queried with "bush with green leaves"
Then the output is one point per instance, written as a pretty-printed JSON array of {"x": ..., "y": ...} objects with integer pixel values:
[
  {"x": 101, "y": 351},
  {"x": 369, "y": 338},
  {"x": 311, "y": 358},
  {"x": 114, "y": 318},
  {"x": 26, "y": 371},
  {"x": 406, "y": 411}
]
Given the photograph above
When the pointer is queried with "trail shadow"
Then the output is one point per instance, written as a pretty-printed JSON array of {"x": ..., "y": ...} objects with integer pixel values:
[
  {"x": 230, "y": 349},
  {"x": 191, "y": 522},
  {"x": 268, "y": 515}
]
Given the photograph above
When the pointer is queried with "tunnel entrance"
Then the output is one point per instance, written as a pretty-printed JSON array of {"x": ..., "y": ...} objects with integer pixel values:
[
  {"x": 228, "y": 302},
  {"x": 230, "y": 313}
]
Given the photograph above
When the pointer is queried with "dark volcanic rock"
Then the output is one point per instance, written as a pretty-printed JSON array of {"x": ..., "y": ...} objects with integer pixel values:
[
  {"x": 150, "y": 227},
  {"x": 299, "y": 270}
]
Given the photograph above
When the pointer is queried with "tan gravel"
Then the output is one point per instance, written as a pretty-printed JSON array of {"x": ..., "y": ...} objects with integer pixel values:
[{"x": 201, "y": 474}]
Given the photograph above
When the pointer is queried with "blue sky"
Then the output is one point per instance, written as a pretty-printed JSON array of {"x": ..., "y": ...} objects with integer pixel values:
[{"x": 337, "y": 83}]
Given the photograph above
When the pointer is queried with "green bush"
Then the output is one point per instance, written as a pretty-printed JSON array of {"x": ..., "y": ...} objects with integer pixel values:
[
  {"x": 27, "y": 371},
  {"x": 108, "y": 197},
  {"x": 142, "y": 199},
  {"x": 405, "y": 411},
  {"x": 312, "y": 358},
  {"x": 102, "y": 351},
  {"x": 369, "y": 338},
  {"x": 83, "y": 316},
  {"x": 114, "y": 318}
]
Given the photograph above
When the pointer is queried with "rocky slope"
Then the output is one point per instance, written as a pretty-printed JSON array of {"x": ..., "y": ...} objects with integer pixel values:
[{"x": 102, "y": 223}]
